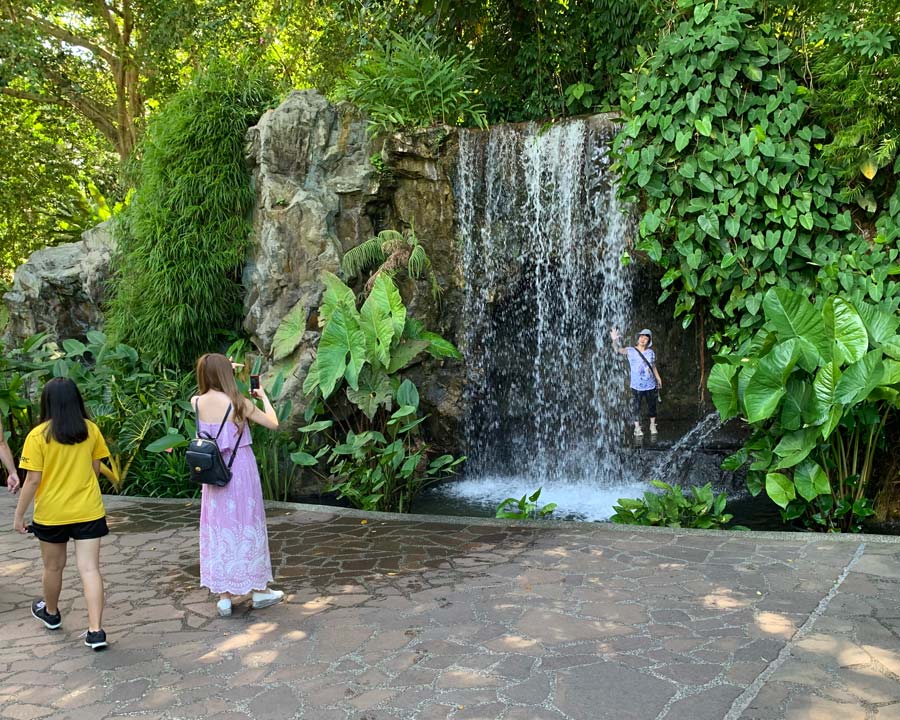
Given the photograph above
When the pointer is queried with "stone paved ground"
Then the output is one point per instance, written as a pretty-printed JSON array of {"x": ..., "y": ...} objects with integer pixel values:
[{"x": 419, "y": 619}]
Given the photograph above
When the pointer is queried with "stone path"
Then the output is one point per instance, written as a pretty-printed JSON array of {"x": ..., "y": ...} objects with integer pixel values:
[{"x": 418, "y": 619}]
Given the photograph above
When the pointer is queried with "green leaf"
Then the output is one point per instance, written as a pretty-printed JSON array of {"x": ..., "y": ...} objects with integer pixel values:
[
  {"x": 847, "y": 329},
  {"x": 407, "y": 394},
  {"x": 793, "y": 316},
  {"x": 387, "y": 300},
  {"x": 704, "y": 125},
  {"x": 73, "y": 347},
  {"x": 378, "y": 329},
  {"x": 682, "y": 139},
  {"x": 373, "y": 391},
  {"x": 766, "y": 386},
  {"x": 341, "y": 353},
  {"x": 811, "y": 480},
  {"x": 404, "y": 353},
  {"x": 780, "y": 489},
  {"x": 167, "y": 442},
  {"x": 723, "y": 389},
  {"x": 439, "y": 347},
  {"x": 336, "y": 295},
  {"x": 303, "y": 459},
  {"x": 795, "y": 446},
  {"x": 860, "y": 379},
  {"x": 317, "y": 426},
  {"x": 881, "y": 326},
  {"x": 289, "y": 333}
]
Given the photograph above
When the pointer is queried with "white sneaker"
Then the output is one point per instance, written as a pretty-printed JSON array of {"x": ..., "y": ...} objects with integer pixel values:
[
  {"x": 224, "y": 607},
  {"x": 653, "y": 430},
  {"x": 638, "y": 432},
  {"x": 264, "y": 599}
]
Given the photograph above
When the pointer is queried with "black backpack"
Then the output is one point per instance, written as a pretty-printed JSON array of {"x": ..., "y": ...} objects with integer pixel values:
[{"x": 204, "y": 459}]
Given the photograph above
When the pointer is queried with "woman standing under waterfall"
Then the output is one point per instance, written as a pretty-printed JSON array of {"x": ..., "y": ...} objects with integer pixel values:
[{"x": 645, "y": 380}]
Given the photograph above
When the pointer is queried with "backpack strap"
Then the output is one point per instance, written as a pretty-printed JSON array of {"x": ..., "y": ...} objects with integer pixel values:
[
  {"x": 644, "y": 358},
  {"x": 221, "y": 427}
]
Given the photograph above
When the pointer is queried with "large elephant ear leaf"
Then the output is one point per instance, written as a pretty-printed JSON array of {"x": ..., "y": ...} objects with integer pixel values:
[
  {"x": 378, "y": 329},
  {"x": 881, "y": 326},
  {"x": 847, "y": 329},
  {"x": 766, "y": 387},
  {"x": 793, "y": 316},
  {"x": 795, "y": 446},
  {"x": 860, "y": 379},
  {"x": 388, "y": 301},
  {"x": 337, "y": 294},
  {"x": 342, "y": 351},
  {"x": 373, "y": 391},
  {"x": 289, "y": 333},
  {"x": 723, "y": 389}
]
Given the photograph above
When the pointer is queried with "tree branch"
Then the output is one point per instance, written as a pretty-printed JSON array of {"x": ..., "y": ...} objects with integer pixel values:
[
  {"x": 106, "y": 14},
  {"x": 33, "y": 97},
  {"x": 69, "y": 37}
]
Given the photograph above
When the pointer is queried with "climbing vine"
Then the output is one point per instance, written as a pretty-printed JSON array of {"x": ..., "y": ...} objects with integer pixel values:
[{"x": 722, "y": 158}]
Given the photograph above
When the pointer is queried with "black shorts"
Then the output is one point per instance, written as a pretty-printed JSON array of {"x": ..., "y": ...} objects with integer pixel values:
[
  {"x": 650, "y": 396},
  {"x": 73, "y": 531}
]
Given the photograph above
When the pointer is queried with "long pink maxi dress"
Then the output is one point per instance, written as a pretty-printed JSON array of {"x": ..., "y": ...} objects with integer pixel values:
[{"x": 234, "y": 544}]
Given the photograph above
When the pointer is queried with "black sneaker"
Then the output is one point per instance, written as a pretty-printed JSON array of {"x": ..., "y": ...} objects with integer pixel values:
[
  {"x": 95, "y": 639},
  {"x": 39, "y": 610}
]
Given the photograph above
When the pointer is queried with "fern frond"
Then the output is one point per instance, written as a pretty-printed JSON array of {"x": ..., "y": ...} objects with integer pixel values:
[
  {"x": 364, "y": 256},
  {"x": 418, "y": 262},
  {"x": 391, "y": 241}
]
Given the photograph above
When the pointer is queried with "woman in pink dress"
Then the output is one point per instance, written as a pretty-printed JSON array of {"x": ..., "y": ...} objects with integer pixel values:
[{"x": 234, "y": 543}]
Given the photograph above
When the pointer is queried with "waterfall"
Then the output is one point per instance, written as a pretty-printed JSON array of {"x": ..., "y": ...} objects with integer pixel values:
[{"x": 542, "y": 236}]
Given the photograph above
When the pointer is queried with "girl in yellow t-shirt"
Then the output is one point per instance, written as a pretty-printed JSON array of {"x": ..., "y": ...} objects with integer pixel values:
[{"x": 62, "y": 456}]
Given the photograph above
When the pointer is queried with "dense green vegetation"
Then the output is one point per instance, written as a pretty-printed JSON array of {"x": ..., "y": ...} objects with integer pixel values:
[
  {"x": 759, "y": 149},
  {"x": 182, "y": 241}
]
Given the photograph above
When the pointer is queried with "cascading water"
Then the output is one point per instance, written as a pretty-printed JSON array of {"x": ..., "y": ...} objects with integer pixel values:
[{"x": 543, "y": 237}]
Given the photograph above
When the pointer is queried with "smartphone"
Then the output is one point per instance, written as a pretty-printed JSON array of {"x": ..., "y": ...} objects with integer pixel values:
[{"x": 254, "y": 382}]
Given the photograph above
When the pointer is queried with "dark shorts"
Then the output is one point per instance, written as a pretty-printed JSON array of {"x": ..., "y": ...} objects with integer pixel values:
[
  {"x": 73, "y": 531},
  {"x": 649, "y": 396}
]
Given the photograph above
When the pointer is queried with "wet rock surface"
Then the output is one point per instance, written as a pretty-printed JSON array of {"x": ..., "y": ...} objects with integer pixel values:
[{"x": 411, "y": 618}]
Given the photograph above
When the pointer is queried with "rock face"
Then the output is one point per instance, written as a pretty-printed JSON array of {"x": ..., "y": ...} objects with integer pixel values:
[
  {"x": 324, "y": 186},
  {"x": 60, "y": 290}
]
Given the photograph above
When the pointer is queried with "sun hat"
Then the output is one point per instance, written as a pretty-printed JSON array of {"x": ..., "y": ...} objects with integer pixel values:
[{"x": 646, "y": 332}]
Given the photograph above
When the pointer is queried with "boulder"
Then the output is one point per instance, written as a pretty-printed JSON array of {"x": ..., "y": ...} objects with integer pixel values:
[{"x": 60, "y": 290}]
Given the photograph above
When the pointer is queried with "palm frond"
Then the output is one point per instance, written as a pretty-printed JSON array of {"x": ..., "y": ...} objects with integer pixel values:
[{"x": 418, "y": 262}]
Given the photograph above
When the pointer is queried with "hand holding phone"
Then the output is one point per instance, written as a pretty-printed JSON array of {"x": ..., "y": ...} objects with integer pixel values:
[{"x": 254, "y": 383}]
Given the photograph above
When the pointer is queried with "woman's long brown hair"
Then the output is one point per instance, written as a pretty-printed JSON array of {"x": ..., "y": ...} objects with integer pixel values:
[{"x": 214, "y": 372}]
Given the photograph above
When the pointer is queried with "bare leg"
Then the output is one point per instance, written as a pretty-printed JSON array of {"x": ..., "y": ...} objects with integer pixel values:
[
  {"x": 54, "y": 559},
  {"x": 87, "y": 555}
]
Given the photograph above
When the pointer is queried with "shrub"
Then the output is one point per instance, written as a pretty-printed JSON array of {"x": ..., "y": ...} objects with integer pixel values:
[
  {"x": 703, "y": 509},
  {"x": 183, "y": 239},
  {"x": 817, "y": 384},
  {"x": 410, "y": 81}
]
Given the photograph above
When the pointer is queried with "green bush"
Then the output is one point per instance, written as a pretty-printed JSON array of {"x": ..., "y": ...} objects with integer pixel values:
[
  {"x": 410, "y": 82},
  {"x": 723, "y": 159},
  {"x": 703, "y": 509},
  {"x": 182, "y": 242},
  {"x": 370, "y": 439},
  {"x": 817, "y": 384},
  {"x": 132, "y": 404}
]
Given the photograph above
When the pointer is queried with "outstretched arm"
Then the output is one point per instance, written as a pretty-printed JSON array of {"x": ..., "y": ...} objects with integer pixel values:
[{"x": 614, "y": 334}]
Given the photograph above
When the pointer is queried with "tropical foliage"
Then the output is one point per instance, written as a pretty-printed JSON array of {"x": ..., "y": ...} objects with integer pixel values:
[
  {"x": 525, "y": 508},
  {"x": 183, "y": 239},
  {"x": 388, "y": 252},
  {"x": 817, "y": 383},
  {"x": 132, "y": 404},
  {"x": 703, "y": 509},
  {"x": 371, "y": 439},
  {"x": 410, "y": 81}
]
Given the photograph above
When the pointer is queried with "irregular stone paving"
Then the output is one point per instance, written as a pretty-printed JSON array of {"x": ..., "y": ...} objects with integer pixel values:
[{"x": 415, "y": 618}]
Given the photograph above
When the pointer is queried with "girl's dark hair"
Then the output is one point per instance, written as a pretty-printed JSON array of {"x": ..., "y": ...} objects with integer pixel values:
[{"x": 63, "y": 408}]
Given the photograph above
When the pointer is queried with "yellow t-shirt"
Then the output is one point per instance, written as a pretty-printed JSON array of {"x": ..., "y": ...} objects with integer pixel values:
[{"x": 69, "y": 491}]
